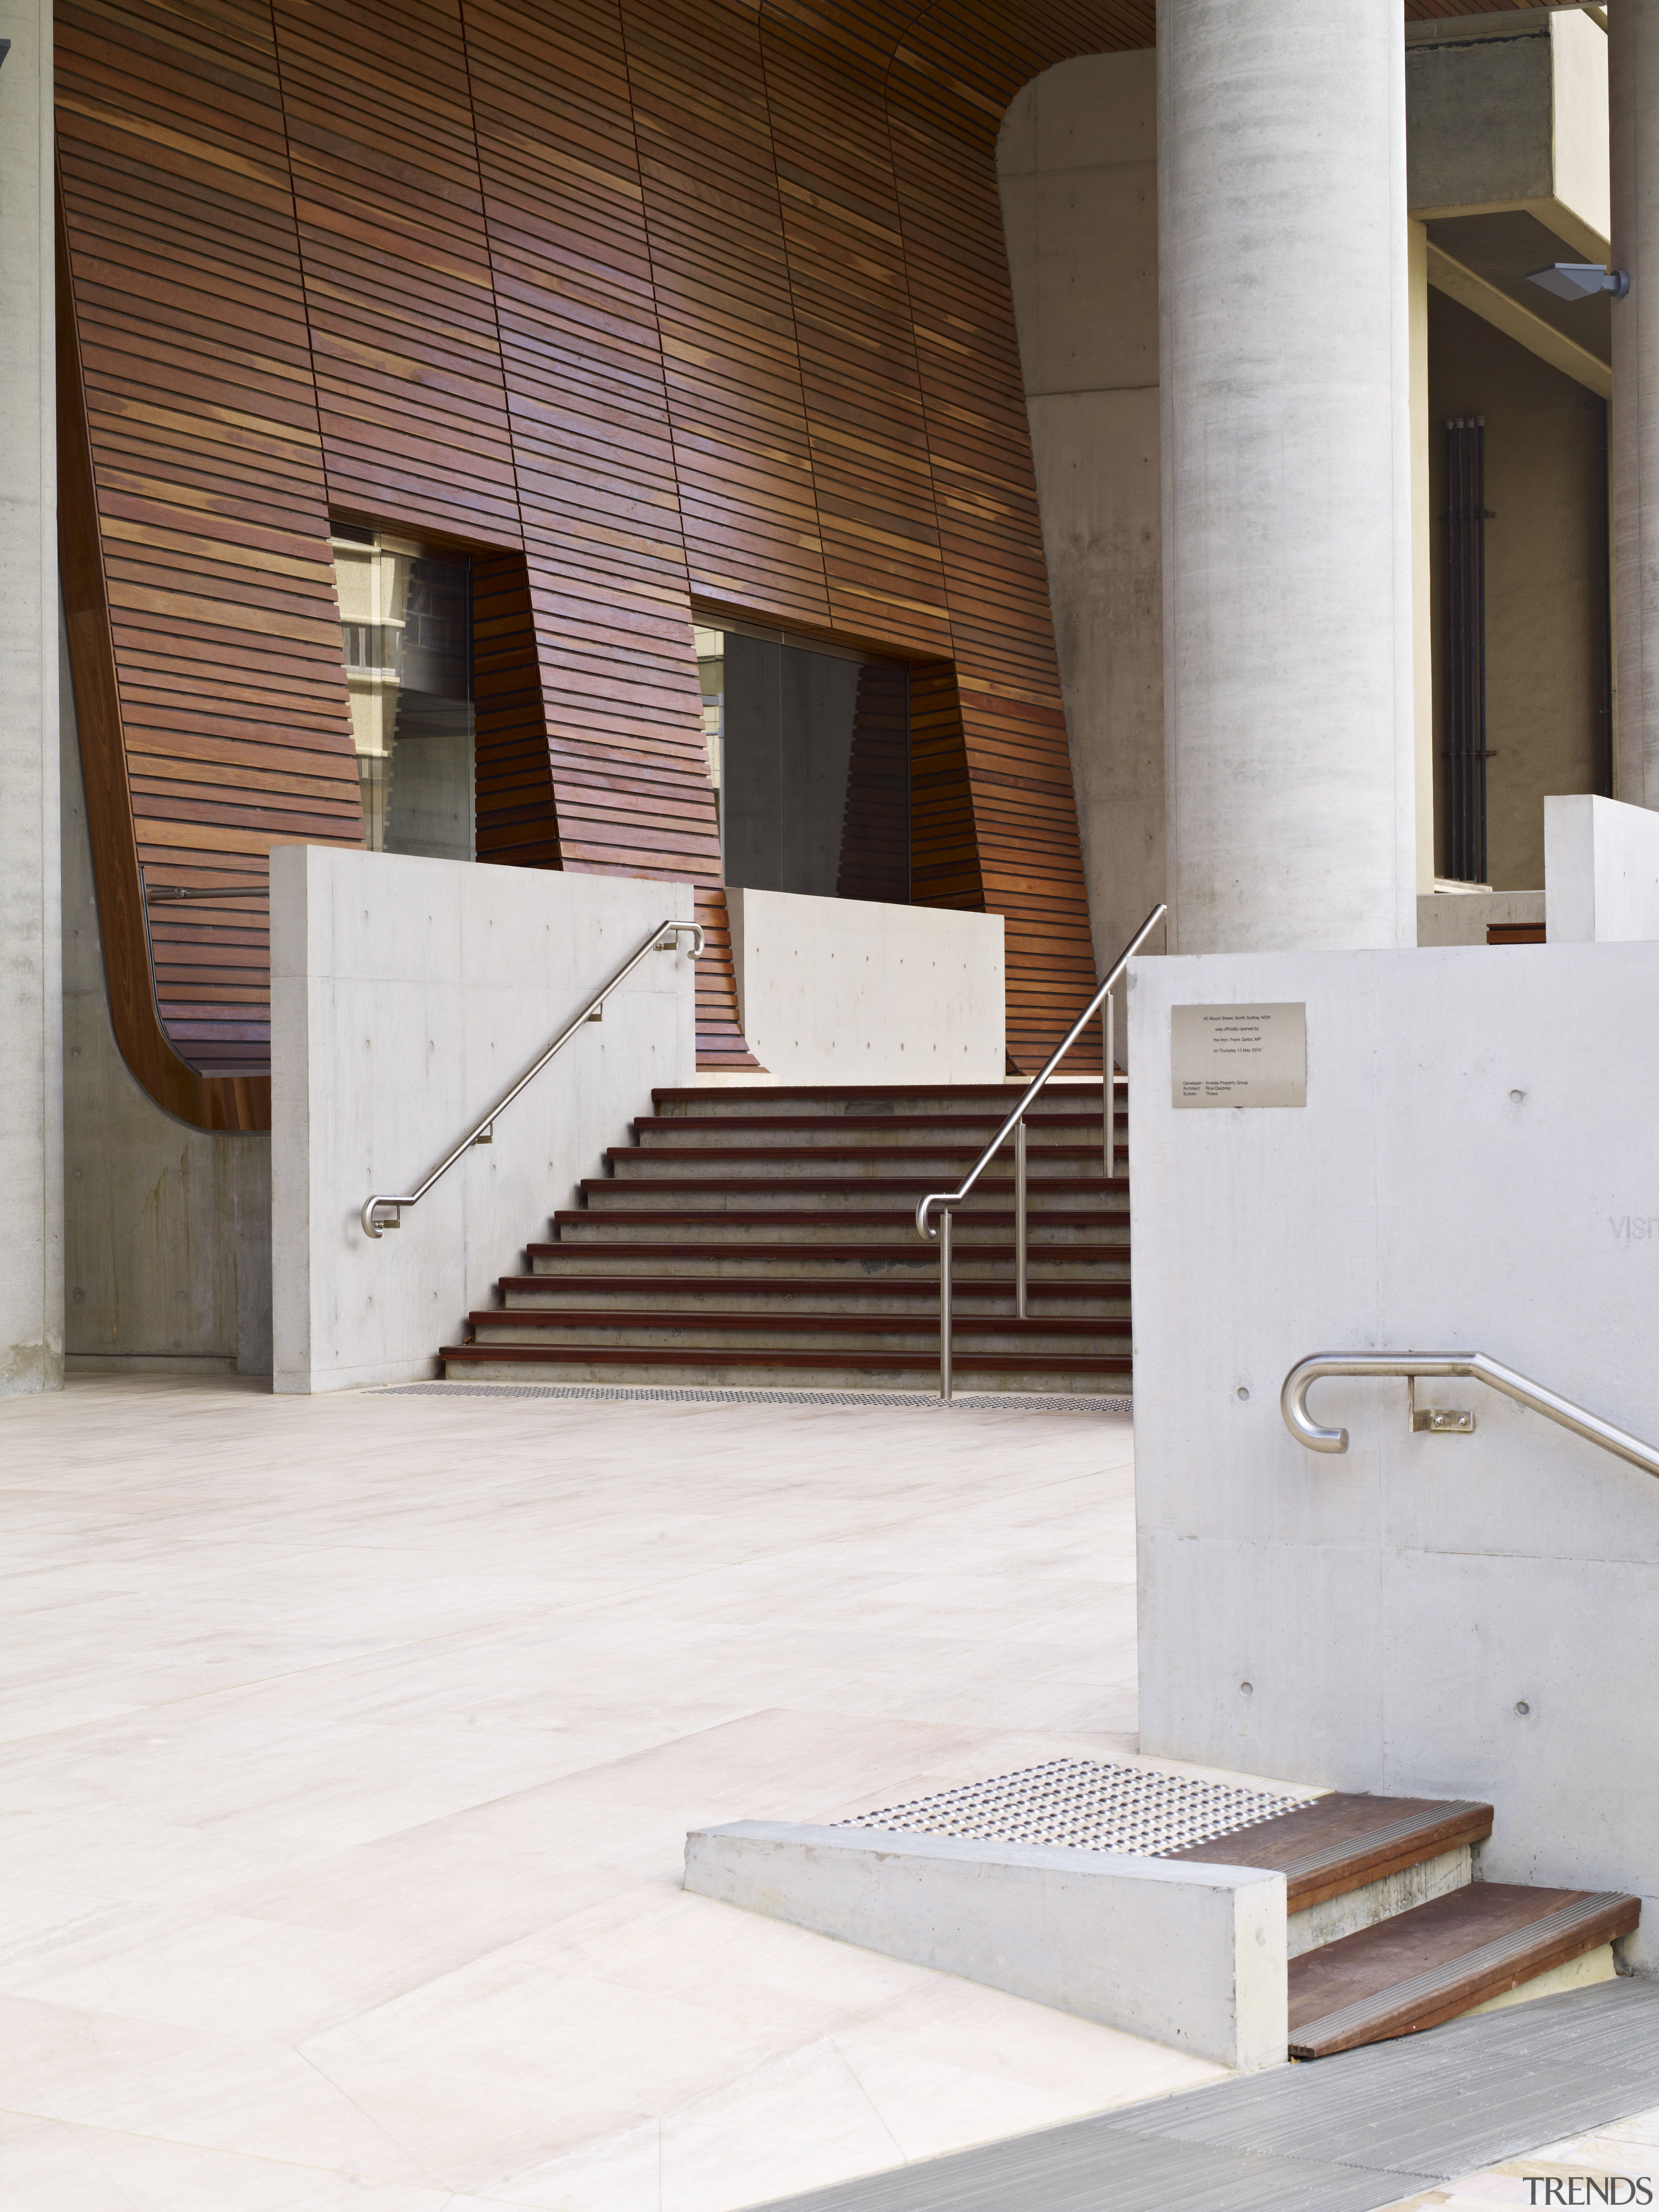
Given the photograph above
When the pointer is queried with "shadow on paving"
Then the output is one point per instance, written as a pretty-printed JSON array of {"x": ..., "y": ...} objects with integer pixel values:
[{"x": 1339, "y": 2135}]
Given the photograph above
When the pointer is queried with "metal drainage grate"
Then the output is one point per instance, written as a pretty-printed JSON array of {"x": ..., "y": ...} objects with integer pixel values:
[
  {"x": 1085, "y": 1805},
  {"x": 984, "y": 1401}
]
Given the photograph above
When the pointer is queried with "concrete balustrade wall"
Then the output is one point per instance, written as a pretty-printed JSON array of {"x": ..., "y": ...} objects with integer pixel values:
[
  {"x": 1194, "y": 1956},
  {"x": 1602, "y": 871},
  {"x": 407, "y": 995},
  {"x": 850, "y": 991},
  {"x": 1456, "y": 1616}
]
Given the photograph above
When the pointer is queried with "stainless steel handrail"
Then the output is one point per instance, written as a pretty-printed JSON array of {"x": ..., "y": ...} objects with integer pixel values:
[
  {"x": 1293, "y": 1399},
  {"x": 664, "y": 937},
  {"x": 947, "y": 1199}
]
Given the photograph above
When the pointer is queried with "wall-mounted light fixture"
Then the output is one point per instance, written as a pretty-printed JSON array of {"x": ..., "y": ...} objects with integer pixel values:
[{"x": 1580, "y": 280}]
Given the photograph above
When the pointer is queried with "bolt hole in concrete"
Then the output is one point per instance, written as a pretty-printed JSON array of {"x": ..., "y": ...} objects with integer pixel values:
[
  {"x": 1523, "y": 1707},
  {"x": 1242, "y": 1393},
  {"x": 1248, "y": 1687},
  {"x": 1517, "y": 1097}
]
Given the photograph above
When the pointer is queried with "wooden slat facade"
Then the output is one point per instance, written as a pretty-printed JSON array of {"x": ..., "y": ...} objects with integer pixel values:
[{"x": 647, "y": 304}]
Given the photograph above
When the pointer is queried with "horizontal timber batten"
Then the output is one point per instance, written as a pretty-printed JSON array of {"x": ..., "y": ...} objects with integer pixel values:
[{"x": 680, "y": 299}]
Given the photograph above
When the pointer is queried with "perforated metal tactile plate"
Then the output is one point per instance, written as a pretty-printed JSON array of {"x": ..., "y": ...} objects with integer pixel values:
[{"x": 1085, "y": 1805}]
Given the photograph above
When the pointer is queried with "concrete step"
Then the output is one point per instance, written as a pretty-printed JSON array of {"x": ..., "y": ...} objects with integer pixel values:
[
  {"x": 856, "y": 1099},
  {"x": 717, "y": 1222},
  {"x": 622, "y": 1258},
  {"x": 1055, "y": 1166},
  {"x": 852, "y": 1334},
  {"x": 849, "y": 1196},
  {"x": 595, "y": 1293},
  {"x": 822, "y": 1370}
]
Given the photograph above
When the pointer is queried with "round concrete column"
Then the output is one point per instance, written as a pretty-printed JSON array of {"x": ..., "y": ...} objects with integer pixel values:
[
  {"x": 1633, "y": 91},
  {"x": 1285, "y": 348}
]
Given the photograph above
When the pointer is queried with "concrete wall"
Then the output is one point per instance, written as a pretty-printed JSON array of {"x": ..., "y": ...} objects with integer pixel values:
[
  {"x": 1194, "y": 1956},
  {"x": 1464, "y": 917},
  {"x": 406, "y": 996},
  {"x": 1077, "y": 162},
  {"x": 1458, "y": 1616},
  {"x": 1603, "y": 881},
  {"x": 167, "y": 1228},
  {"x": 1511, "y": 112},
  {"x": 1546, "y": 654},
  {"x": 848, "y": 991},
  {"x": 31, "y": 1025}
]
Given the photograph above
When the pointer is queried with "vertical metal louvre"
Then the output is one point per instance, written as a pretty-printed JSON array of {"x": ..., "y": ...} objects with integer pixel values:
[{"x": 1466, "y": 649}]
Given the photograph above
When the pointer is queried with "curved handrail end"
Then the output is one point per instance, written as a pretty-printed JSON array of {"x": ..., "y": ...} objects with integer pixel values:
[{"x": 1293, "y": 1404}]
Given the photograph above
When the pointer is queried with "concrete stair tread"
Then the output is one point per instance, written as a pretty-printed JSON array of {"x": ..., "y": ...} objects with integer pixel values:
[
  {"x": 1341, "y": 1842},
  {"x": 1438, "y": 1960}
]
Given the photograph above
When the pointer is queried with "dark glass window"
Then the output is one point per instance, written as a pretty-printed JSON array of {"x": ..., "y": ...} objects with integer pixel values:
[{"x": 809, "y": 749}]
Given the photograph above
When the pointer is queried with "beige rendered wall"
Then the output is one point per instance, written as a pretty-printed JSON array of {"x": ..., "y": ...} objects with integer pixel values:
[
  {"x": 1077, "y": 160},
  {"x": 1546, "y": 567}
]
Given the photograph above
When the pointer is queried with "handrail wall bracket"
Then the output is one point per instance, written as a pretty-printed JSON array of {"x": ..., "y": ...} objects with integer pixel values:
[
  {"x": 664, "y": 937},
  {"x": 1432, "y": 1365}
]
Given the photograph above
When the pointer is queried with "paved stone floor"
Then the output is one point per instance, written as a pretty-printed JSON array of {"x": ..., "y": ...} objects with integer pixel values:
[
  {"x": 1626, "y": 2152},
  {"x": 347, "y": 1747}
]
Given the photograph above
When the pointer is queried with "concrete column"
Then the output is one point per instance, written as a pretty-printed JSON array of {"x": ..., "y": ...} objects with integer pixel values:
[
  {"x": 1633, "y": 95},
  {"x": 31, "y": 1000},
  {"x": 1078, "y": 164},
  {"x": 1284, "y": 361}
]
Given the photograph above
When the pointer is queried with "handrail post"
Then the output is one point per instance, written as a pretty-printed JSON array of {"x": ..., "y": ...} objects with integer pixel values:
[
  {"x": 1019, "y": 1220},
  {"x": 1109, "y": 1085},
  {"x": 944, "y": 1303}
]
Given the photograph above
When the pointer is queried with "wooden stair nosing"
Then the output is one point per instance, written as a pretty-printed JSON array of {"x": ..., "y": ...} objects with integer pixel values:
[
  {"x": 924, "y": 1294},
  {"x": 1039, "y": 1326},
  {"x": 1455, "y": 1985},
  {"x": 916, "y": 1254},
  {"x": 995, "y": 1362},
  {"x": 1009, "y": 1093},
  {"x": 1314, "y": 1870}
]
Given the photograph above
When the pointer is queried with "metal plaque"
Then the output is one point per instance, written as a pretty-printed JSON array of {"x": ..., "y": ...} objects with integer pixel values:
[{"x": 1239, "y": 1056}]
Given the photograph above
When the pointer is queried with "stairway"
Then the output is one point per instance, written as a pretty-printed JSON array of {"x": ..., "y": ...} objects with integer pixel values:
[
  {"x": 754, "y": 1236},
  {"x": 1390, "y": 1930}
]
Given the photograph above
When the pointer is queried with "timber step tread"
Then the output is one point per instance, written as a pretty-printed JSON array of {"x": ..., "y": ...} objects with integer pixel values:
[
  {"x": 923, "y": 1327},
  {"x": 851, "y": 1186},
  {"x": 770, "y": 1155},
  {"x": 895, "y": 1125},
  {"x": 924, "y": 1363},
  {"x": 869, "y": 1215},
  {"x": 1007, "y": 1093},
  {"x": 924, "y": 1295},
  {"x": 915, "y": 1254},
  {"x": 1443, "y": 1959},
  {"x": 1341, "y": 1842}
]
